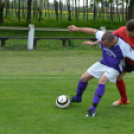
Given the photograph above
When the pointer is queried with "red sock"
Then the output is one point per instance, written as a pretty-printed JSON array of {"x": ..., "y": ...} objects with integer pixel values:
[{"x": 122, "y": 90}]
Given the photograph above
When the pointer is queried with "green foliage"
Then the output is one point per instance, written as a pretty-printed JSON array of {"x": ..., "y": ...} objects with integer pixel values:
[{"x": 64, "y": 23}]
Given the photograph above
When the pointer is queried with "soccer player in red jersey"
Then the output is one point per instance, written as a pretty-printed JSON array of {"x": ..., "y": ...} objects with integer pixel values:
[{"x": 127, "y": 34}]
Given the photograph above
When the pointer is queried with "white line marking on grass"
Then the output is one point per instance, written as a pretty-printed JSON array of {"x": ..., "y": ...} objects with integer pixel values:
[
  {"x": 46, "y": 77},
  {"x": 38, "y": 77}
]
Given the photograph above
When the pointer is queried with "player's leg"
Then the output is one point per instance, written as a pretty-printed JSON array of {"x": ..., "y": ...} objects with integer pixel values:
[
  {"x": 122, "y": 87},
  {"x": 82, "y": 85},
  {"x": 110, "y": 75},
  {"x": 93, "y": 71},
  {"x": 99, "y": 92},
  {"x": 120, "y": 84}
]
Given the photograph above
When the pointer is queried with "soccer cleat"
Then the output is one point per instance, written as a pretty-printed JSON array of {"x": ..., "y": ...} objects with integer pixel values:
[
  {"x": 119, "y": 102},
  {"x": 72, "y": 100},
  {"x": 91, "y": 113}
]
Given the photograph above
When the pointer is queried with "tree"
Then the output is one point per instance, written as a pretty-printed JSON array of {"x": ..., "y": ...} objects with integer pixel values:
[
  {"x": 76, "y": 14},
  {"x": 123, "y": 10},
  {"x": 40, "y": 9},
  {"x": 56, "y": 8},
  {"x": 15, "y": 7},
  {"x": 60, "y": 6},
  {"x": 131, "y": 10},
  {"x": 69, "y": 10},
  {"x": 19, "y": 10},
  {"x": 29, "y": 2},
  {"x": 7, "y": 7},
  {"x": 94, "y": 10},
  {"x": 2, "y": 4},
  {"x": 23, "y": 8},
  {"x": 35, "y": 9},
  {"x": 126, "y": 10},
  {"x": 111, "y": 9},
  {"x": 117, "y": 10},
  {"x": 48, "y": 8}
]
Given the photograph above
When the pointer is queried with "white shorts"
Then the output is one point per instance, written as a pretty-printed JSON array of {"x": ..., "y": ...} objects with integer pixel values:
[{"x": 98, "y": 69}]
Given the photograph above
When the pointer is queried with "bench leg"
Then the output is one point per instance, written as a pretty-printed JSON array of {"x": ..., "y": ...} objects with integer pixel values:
[
  {"x": 35, "y": 43},
  {"x": 3, "y": 42},
  {"x": 64, "y": 43}
]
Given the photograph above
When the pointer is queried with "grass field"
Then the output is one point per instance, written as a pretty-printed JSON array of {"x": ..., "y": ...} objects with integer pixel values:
[{"x": 31, "y": 81}]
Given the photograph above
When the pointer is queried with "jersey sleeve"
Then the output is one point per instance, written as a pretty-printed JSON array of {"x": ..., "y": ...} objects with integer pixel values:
[
  {"x": 116, "y": 33},
  {"x": 127, "y": 51},
  {"x": 99, "y": 35},
  {"x": 120, "y": 32}
]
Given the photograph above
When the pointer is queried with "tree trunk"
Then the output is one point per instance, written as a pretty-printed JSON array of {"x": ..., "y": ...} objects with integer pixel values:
[
  {"x": 117, "y": 10},
  {"x": 76, "y": 14},
  {"x": 111, "y": 13},
  {"x": 131, "y": 10},
  {"x": 23, "y": 9},
  {"x": 61, "y": 5},
  {"x": 56, "y": 9},
  {"x": 126, "y": 11},
  {"x": 40, "y": 10},
  {"x": 69, "y": 11},
  {"x": 35, "y": 9},
  {"x": 29, "y": 11},
  {"x": 87, "y": 9},
  {"x": 12, "y": 9},
  {"x": 15, "y": 7},
  {"x": 7, "y": 7},
  {"x": 48, "y": 8},
  {"x": 94, "y": 10},
  {"x": 2, "y": 4},
  {"x": 19, "y": 10},
  {"x": 123, "y": 10}
]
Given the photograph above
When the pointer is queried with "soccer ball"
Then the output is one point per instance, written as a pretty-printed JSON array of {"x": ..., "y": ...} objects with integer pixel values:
[{"x": 62, "y": 101}]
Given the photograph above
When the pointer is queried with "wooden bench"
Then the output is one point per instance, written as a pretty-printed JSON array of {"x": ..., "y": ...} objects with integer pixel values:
[{"x": 64, "y": 39}]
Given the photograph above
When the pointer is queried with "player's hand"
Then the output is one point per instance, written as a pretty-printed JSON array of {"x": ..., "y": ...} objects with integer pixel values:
[
  {"x": 88, "y": 43},
  {"x": 72, "y": 28}
]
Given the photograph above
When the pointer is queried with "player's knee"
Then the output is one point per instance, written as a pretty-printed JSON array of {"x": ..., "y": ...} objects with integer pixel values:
[
  {"x": 84, "y": 78},
  {"x": 119, "y": 78},
  {"x": 103, "y": 79}
]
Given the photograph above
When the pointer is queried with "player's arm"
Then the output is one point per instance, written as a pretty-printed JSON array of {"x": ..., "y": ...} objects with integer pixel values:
[
  {"x": 128, "y": 51},
  {"x": 98, "y": 36},
  {"x": 92, "y": 43},
  {"x": 84, "y": 30}
]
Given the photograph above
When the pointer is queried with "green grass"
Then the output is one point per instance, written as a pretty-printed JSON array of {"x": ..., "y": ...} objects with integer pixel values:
[{"x": 30, "y": 83}]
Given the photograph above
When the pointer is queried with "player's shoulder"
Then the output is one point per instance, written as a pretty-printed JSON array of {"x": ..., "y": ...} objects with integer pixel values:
[
  {"x": 121, "y": 29},
  {"x": 99, "y": 35},
  {"x": 121, "y": 32},
  {"x": 122, "y": 43}
]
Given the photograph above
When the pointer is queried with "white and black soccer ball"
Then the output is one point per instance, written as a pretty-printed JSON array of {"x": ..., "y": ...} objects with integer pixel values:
[{"x": 62, "y": 101}]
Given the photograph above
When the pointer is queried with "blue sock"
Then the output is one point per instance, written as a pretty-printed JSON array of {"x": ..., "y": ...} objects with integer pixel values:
[
  {"x": 97, "y": 97},
  {"x": 80, "y": 89}
]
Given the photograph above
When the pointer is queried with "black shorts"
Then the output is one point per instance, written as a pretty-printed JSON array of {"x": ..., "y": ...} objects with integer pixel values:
[{"x": 128, "y": 67}]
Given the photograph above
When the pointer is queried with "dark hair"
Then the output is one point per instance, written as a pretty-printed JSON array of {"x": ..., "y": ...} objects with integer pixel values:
[
  {"x": 108, "y": 36},
  {"x": 130, "y": 25}
]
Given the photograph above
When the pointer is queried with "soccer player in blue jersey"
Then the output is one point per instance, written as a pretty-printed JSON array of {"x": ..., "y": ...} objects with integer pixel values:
[{"x": 112, "y": 63}]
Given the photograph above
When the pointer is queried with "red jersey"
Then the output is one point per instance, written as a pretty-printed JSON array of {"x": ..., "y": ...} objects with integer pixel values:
[{"x": 122, "y": 33}]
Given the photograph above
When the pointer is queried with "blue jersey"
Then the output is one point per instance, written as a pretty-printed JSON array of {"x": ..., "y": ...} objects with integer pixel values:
[{"x": 115, "y": 56}]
